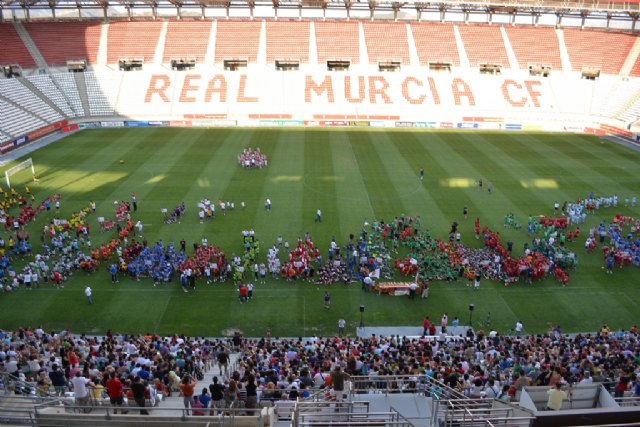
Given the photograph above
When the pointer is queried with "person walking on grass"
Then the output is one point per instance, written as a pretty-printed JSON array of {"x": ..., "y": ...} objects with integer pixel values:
[
  {"x": 318, "y": 215},
  {"x": 87, "y": 292},
  {"x": 341, "y": 326},
  {"x": 327, "y": 300}
]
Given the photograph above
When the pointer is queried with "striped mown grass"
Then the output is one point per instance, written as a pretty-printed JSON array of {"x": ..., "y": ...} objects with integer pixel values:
[{"x": 352, "y": 176}]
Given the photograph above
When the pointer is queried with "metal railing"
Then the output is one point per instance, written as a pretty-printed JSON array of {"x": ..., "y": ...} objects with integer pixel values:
[
  {"x": 481, "y": 413},
  {"x": 52, "y": 413},
  {"x": 13, "y": 384},
  {"x": 352, "y": 413},
  {"x": 628, "y": 401}
]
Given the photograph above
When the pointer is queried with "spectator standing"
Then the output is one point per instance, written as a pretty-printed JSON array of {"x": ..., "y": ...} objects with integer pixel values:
[
  {"x": 223, "y": 364},
  {"x": 425, "y": 325},
  {"x": 338, "y": 379},
  {"x": 138, "y": 388},
  {"x": 58, "y": 380},
  {"x": 80, "y": 390},
  {"x": 115, "y": 391},
  {"x": 217, "y": 396},
  {"x": 556, "y": 397},
  {"x": 187, "y": 389},
  {"x": 251, "y": 401},
  {"x": 204, "y": 398}
]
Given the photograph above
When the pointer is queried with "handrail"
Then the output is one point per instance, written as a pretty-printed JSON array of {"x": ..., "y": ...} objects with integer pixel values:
[
  {"x": 10, "y": 382},
  {"x": 171, "y": 413}
]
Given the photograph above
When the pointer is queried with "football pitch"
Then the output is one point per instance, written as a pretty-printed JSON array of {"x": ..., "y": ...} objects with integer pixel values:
[{"x": 353, "y": 177}]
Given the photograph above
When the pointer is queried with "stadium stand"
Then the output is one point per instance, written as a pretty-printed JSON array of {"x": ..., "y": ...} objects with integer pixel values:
[
  {"x": 73, "y": 40},
  {"x": 337, "y": 40},
  {"x": 613, "y": 95},
  {"x": 16, "y": 121},
  {"x": 386, "y": 41},
  {"x": 45, "y": 84},
  {"x": 187, "y": 39},
  {"x": 484, "y": 44},
  {"x": 631, "y": 113},
  {"x": 67, "y": 85},
  {"x": 288, "y": 39},
  {"x": 3, "y": 138},
  {"x": 102, "y": 91},
  {"x": 125, "y": 40},
  {"x": 13, "y": 50},
  {"x": 546, "y": 51},
  {"x": 15, "y": 91},
  {"x": 435, "y": 43},
  {"x": 238, "y": 39},
  {"x": 593, "y": 48}
]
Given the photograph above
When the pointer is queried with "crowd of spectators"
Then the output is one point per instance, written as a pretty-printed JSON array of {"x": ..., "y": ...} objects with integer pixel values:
[
  {"x": 487, "y": 363},
  {"x": 476, "y": 365},
  {"x": 54, "y": 360}
]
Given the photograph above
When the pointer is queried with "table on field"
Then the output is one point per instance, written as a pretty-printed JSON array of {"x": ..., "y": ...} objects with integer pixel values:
[{"x": 393, "y": 288}]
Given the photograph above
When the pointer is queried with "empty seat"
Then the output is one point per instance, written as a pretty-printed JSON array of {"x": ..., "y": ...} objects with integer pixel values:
[
  {"x": 129, "y": 39},
  {"x": 58, "y": 42},
  {"x": 15, "y": 91},
  {"x": 45, "y": 84},
  {"x": 535, "y": 46},
  {"x": 67, "y": 84},
  {"x": 237, "y": 39},
  {"x": 187, "y": 39},
  {"x": 605, "y": 50},
  {"x": 386, "y": 40},
  {"x": 435, "y": 42},
  {"x": 288, "y": 40},
  {"x": 13, "y": 51},
  {"x": 337, "y": 40},
  {"x": 483, "y": 44}
]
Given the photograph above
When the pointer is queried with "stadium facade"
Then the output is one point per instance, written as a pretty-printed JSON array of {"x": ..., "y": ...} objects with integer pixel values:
[{"x": 539, "y": 66}]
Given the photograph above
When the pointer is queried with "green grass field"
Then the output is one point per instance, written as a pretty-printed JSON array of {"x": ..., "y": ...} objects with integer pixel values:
[{"x": 351, "y": 176}]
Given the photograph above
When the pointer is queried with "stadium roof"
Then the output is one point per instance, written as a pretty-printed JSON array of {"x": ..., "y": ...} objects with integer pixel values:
[{"x": 605, "y": 10}]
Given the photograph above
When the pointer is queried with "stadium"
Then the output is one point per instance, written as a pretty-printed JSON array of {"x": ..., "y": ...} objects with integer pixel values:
[{"x": 349, "y": 213}]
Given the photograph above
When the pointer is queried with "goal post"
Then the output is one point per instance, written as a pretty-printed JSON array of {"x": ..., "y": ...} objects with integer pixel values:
[{"x": 19, "y": 167}]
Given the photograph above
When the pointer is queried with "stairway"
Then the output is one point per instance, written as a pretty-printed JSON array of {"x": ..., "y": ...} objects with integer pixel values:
[
  {"x": 513, "y": 61},
  {"x": 30, "y": 45},
  {"x": 564, "y": 53},
  {"x": 364, "y": 54},
  {"x": 82, "y": 91},
  {"x": 175, "y": 401},
  {"x": 464, "y": 59},
  {"x": 159, "y": 52},
  {"x": 414, "y": 59},
  {"x": 632, "y": 57}
]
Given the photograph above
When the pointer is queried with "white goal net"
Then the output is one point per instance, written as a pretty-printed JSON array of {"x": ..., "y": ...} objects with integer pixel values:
[{"x": 19, "y": 167}]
